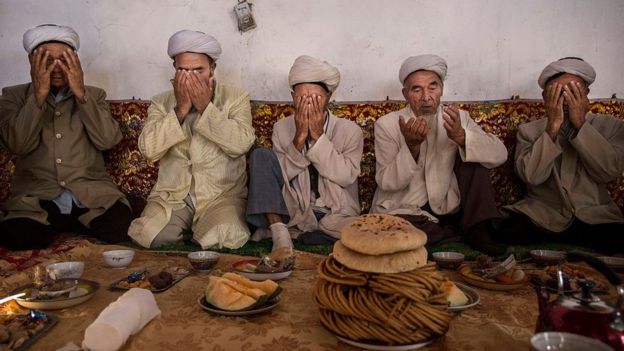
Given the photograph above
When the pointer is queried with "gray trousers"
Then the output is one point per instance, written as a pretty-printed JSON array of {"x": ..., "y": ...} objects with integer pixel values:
[
  {"x": 179, "y": 226},
  {"x": 265, "y": 188}
]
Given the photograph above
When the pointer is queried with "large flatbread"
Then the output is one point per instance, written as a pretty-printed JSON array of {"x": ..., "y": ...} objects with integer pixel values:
[
  {"x": 392, "y": 263},
  {"x": 380, "y": 234}
]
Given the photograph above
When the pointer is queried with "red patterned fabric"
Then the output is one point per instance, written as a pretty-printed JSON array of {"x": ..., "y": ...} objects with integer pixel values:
[
  {"x": 12, "y": 262},
  {"x": 132, "y": 173},
  {"x": 136, "y": 177}
]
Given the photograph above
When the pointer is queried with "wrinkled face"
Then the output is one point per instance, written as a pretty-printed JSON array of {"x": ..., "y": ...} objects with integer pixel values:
[
  {"x": 58, "y": 78},
  {"x": 200, "y": 63},
  {"x": 422, "y": 91},
  {"x": 311, "y": 89},
  {"x": 567, "y": 79}
]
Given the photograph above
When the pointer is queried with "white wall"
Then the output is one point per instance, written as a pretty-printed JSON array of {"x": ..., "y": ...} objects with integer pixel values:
[{"x": 494, "y": 48}]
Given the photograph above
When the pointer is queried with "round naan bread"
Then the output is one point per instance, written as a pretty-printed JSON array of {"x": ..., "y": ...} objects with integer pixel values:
[
  {"x": 380, "y": 234},
  {"x": 391, "y": 263}
]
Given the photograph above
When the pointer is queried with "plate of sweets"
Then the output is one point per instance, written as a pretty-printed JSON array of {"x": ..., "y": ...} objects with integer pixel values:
[
  {"x": 277, "y": 265},
  {"x": 235, "y": 295},
  {"x": 155, "y": 280},
  {"x": 487, "y": 274},
  {"x": 18, "y": 331}
]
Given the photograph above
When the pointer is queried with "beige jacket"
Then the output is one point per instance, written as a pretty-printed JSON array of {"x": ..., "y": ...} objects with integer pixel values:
[
  {"x": 566, "y": 178},
  {"x": 404, "y": 185},
  {"x": 336, "y": 155},
  {"x": 213, "y": 157},
  {"x": 58, "y": 147}
]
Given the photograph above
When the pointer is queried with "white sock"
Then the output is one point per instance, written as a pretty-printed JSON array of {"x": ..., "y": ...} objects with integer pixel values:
[
  {"x": 281, "y": 236},
  {"x": 260, "y": 233}
]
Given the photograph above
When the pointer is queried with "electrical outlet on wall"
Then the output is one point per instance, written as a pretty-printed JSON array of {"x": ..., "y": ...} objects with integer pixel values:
[{"x": 245, "y": 17}]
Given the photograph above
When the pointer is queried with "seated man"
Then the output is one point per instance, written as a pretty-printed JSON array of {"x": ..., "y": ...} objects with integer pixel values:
[
  {"x": 200, "y": 132},
  {"x": 432, "y": 161},
  {"x": 58, "y": 127},
  {"x": 566, "y": 159},
  {"x": 308, "y": 182}
]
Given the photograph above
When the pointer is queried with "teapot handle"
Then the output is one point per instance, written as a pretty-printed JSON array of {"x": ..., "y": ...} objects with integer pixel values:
[{"x": 596, "y": 264}]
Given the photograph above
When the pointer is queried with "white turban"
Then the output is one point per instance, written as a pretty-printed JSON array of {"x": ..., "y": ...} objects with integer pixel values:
[
  {"x": 307, "y": 69},
  {"x": 571, "y": 65},
  {"x": 192, "y": 41},
  {"x": 432, "y": 63},
  {"x": 50, "y": 32}
]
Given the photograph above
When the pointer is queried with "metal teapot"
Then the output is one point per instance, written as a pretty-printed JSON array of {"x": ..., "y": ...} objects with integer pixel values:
[{"x": 583, "y": 313}]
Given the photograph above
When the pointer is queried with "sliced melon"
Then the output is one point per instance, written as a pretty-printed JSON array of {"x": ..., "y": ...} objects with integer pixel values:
[
  {"x": 224, "y": 296},
  {"x": 268, "y": 286},
  {"x": 253, "y": 292}
]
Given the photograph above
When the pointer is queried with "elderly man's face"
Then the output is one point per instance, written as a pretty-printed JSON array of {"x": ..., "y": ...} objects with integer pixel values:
[
  {"x": 311, "y": 89},
  {"x": 200, "y": 63},
  {"x": 58, "y": 78},
  {"x": 567, "y": 79},
  {"x": 423, "y": 90}
]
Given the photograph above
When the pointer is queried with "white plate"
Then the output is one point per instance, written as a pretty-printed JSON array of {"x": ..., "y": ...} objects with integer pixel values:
[
  {"x": 471, "y": 294},
  {"x": 265, "y": 276},
  {"x": 239, "y": 267},
  {"x": 380, "y": 347},
  {"x": 62, "y": 302},
  {"x": 266, "y": 307},
  {"x": 491, "y": 285}
]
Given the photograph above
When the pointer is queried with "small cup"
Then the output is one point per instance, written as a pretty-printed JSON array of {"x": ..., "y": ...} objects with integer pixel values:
[
  {"x": 65, "y": 270},
  {"x": 203, "y": 260},
  {"x": 547, "y": 257},
  {"x": 566, "y": 342},
  {"x": 118, "y": 258},
  {"x": 448, "y": 259}
]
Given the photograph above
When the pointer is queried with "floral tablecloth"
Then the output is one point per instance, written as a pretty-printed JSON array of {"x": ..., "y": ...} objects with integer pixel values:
[{"x": 502, "y": 321}]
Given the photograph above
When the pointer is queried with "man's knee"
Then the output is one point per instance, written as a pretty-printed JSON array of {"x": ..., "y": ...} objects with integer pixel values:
[
  {"x": 474, "y": 168},
  {"x": 167, "y": 236},
  {"x": 112, "y": 225},
  {"x": 262, "y": 155},
  {"x": 25, "y": 234}
]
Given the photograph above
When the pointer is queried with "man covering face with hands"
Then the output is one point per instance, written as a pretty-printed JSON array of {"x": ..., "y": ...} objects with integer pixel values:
[
  {"x": 433, "y": 160},
  {"x": 199, "y": 132},
  {"x": 566, "y": 159},
  {"x": 58, "y": 127},
  {"x": 308, "y": 181}
]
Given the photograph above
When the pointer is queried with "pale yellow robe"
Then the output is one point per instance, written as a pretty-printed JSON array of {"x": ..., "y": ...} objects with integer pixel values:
[
  {"x": 404, "y": 185},
  {"x": 336, "y": 155},
  {"x": 567, "y": 178},
  {"x": 213, "y": 156}
]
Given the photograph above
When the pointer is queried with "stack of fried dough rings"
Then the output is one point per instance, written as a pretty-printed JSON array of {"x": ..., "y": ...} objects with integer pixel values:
[{"x": 403, "y": 306}]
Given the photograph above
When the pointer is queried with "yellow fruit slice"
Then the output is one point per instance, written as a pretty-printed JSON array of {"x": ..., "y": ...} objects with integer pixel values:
[
  {"x": 268, "y": 286},
  {"x": 222, "y": 295},
  {"x": 252, "y": 292}
]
